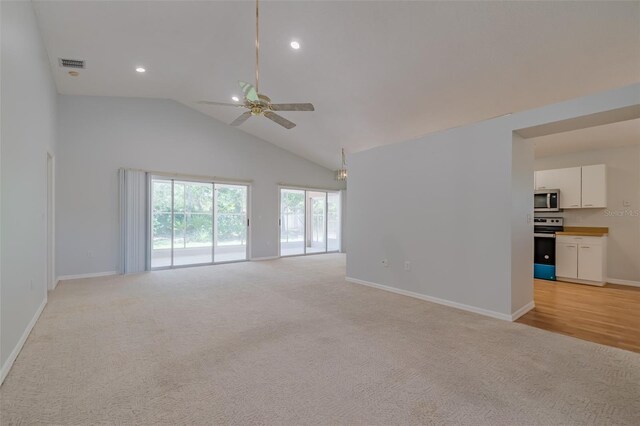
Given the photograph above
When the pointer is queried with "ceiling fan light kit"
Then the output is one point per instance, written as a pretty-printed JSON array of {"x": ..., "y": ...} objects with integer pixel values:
[
  {"x": 257, "y": 103},
  {"x": 341, "y": 173}
]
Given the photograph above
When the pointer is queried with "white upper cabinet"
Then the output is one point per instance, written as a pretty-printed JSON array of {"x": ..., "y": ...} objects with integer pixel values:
[
  {"x": 594, "y": 186},
  {"x": 580, "y": 187},
  {"x": 568, "y": 181}
]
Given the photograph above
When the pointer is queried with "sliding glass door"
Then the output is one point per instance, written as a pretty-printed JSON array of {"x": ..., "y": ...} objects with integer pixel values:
[
  {"x": 192, "y": 223},
  {"x": 195, "y": 223},
  {"x": 161, "y": 223},
  {"x": 292, "y": 222},
  {"x": 334, "y": 227},
  {"x": 231, "y": 222},
  {"x": 317, "y": 222},
  {"x": 309, "y": 221}
]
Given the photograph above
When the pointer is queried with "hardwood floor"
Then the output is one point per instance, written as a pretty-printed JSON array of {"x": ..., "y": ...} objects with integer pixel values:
[{"x": 609, "y": 315}]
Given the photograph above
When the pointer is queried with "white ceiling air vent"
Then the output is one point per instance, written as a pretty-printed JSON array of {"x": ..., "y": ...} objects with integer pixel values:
[{"x": 71, "y": 63}]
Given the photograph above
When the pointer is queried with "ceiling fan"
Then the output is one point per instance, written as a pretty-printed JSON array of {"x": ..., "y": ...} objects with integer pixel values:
[{"x": 258, "y": 103}]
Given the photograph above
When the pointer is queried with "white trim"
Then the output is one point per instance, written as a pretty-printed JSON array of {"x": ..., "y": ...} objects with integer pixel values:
[
  {"x": 469, "y": 308},
  {"x": 92, "y": 275},
  {"x": 194, "y": 178},
  {"x": 14, "y": 354},
  {"x": 623, "y": 282},
  {"x": 264, "y": 258},
  {"x": 579, "y": 281},
  {"x": 520, "y": 312}
]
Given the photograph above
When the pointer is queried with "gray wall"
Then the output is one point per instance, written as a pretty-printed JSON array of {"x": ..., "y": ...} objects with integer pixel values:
[
  {"x": 28, "y": 105},
  {"x": 97, "y": 135},
  {"x": 439, "y": 202},
  {"x": 456, "y": 205},
  {"x": 623, "y": 183},
  {"x": 521, "y": 222}
]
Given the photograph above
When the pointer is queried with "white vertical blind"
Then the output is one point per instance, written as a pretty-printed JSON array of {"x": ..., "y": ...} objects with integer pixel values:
[{"x": 133, "y": 220}]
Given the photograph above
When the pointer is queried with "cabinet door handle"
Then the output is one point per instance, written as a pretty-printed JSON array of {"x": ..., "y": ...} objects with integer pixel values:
[
  {"x": 588, "y": 205},
  {"x": 574, "y": 205},
  {"x": 542, "y": 187},
  {"x": 585, "y": 247}
]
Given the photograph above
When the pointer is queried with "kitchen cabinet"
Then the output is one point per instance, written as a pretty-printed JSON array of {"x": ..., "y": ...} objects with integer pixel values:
[
  {"x": 568, "y": 181},
  {"x": 590, "y": 262},
  {"x": 566, "y": 260},
  {"x": 581, "y": 259},
  {"x": 594, "y": 186},
  {"x": 580, "y": 187}
]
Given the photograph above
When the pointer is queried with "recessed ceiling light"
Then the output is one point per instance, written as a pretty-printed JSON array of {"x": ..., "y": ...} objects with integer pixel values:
[
  {"x": 235, "y": 99},
  {"x": 295, "y": 45},
  {"x": 141, "y": 70}
]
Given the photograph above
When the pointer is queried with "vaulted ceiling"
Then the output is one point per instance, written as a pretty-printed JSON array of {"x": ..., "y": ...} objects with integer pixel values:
[{"x": 377, "y": 72}]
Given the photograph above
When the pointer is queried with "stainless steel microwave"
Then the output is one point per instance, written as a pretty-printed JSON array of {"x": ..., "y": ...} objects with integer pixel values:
[{"x": 546, "y": 200}]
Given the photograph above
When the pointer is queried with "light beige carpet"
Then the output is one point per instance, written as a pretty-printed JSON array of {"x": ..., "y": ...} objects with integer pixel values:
[{"x": 289, "y": 342}]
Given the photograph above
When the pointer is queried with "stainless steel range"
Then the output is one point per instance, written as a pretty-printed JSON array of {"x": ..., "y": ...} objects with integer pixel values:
[{"x": 544, "y": 257}]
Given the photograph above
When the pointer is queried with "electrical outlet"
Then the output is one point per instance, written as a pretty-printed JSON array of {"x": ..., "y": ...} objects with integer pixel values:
[
  {"x": 385, "y": 263},
  {"x": 626, "y": 203},
  {"x": 407, "y": 265}
]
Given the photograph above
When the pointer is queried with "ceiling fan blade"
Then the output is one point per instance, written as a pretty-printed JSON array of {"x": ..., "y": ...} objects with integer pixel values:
[
  {"x": 250, "y": 92},
  {"x": 279, "y": 119},
  {"x": 292, "y": 107},
  {"x": 219, "y": 103},
  {"x": 241, "y": 119}
]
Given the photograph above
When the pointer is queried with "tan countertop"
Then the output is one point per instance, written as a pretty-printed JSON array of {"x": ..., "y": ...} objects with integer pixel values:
[{"x": 585, "y": 231}]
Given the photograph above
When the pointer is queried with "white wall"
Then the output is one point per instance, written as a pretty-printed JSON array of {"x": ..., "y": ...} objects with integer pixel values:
[
  {"x": 522, "y": 247},
  {"x": 97, "y": 135},
  {"x": 443, "y": 203},
  {"x": 28, "y": 104},
  {"x": 450, "y": 204},
  {"x": 623, "y": 183}
]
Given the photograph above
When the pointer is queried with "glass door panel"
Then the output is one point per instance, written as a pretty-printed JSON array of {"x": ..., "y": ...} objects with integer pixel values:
[
  {"x": 292, "y": 222},
  {"x": 231, "y": 222},
  {"x": 333, "y": 221},
  {"x": 192, "y": 223},
  {"x": 316, "y": 222},
  {"x": 161, "y": 221}
]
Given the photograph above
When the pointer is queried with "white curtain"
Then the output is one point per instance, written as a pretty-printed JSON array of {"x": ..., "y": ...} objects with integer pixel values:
[{"x": 133, "y": 220}]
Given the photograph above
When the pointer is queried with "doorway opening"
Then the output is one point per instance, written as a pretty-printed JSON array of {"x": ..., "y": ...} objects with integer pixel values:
[
  {"x": 589, "y": 164},
  {"x": 310, "y": 221}
]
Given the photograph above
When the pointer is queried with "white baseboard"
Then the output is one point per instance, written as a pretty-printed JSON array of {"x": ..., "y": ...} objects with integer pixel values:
[
  {"x": 264, "y": 258},
  {"x": 623, "y": 282},
  {"x": 520, "y": 312},
  {"x": 444, "y": 302},
  {"x": 14, "y": 354},
  {"x": 92, "y": 275}
]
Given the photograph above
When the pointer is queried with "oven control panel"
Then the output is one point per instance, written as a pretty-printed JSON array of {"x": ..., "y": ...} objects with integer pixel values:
[{"x": 548, "y": 221}]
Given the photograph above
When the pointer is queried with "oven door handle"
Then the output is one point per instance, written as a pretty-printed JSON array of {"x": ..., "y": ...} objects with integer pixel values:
[{"x": 541, "y": 235}]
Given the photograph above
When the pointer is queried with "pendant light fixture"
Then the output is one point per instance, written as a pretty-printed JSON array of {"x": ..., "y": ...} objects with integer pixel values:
[{"x": 341, "y": 174}]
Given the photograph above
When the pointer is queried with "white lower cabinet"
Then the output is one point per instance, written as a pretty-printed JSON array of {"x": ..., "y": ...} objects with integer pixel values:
[
  {"x": 581, "y": 259},
  {"x": 566, "y": 260},
  {"x": 590, "y": 262}
]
